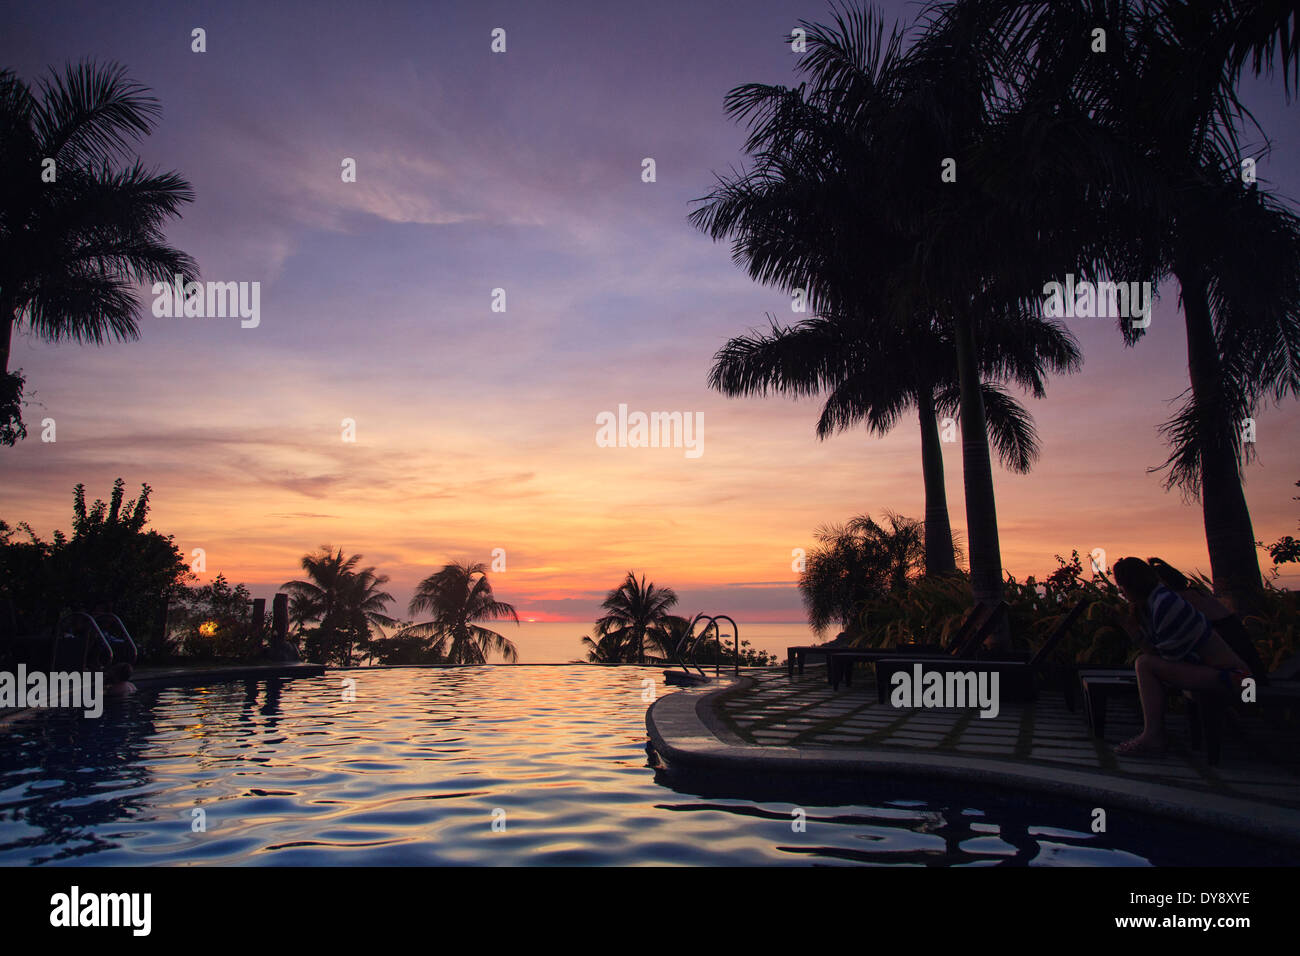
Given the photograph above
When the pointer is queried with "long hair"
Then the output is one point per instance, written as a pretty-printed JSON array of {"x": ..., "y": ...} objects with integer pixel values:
[
  {"x": 1169, "y": 575},
  {"x": 1136, "y": 576}
]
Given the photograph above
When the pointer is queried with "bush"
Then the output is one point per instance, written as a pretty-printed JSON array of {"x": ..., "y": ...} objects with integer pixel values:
[
  {"x": 708, "y": 653},
  {"x": 932, "y": 609},
  {"x": 213, "y": 622},
  {"x": 109, "y": 562}
]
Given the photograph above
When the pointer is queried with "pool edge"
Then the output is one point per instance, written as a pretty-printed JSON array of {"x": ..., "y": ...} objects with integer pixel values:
[{"x": 681, "y": 735}]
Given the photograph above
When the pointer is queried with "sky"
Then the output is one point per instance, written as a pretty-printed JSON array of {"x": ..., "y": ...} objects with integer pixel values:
[{"x": 475, "y": 429}]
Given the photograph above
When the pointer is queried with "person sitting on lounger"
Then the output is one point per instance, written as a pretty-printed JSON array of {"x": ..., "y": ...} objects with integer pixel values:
[
  {"x": 1180, "y": 648},
  {"x": 1222, "y": 619}
]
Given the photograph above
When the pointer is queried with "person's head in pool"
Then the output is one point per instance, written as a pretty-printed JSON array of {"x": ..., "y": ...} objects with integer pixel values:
[
  {"x": 117, "y": 679},
  {"x": 120, "y": 672}
]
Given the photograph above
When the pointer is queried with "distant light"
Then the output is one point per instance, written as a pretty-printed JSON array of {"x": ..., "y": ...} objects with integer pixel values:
[{"x": 208, "y": 628}]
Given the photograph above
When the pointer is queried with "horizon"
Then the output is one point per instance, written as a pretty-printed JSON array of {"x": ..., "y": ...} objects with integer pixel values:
[{"x": 477, "y": 430}]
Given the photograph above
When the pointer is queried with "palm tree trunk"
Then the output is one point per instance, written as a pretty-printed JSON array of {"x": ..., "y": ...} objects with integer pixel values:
[
  {"x": 6, "y": 335},
  {"x": 977, "y": 477},
  {"x": 1229, "y": 534},
  {"x": 939, "y": 558}
]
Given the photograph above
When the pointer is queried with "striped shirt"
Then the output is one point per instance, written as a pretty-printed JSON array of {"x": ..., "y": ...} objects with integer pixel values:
[{"x": 1177, "y": 628}]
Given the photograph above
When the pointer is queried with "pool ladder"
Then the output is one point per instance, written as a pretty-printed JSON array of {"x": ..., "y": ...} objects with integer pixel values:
[{"x": 687, "y": 649}]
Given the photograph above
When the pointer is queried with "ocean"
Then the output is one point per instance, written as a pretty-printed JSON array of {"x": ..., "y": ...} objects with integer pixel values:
[{"x": 561, "y": 643}]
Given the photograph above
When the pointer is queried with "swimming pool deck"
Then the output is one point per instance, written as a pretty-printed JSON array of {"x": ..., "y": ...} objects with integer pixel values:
[{"x": 767, "y": 722}]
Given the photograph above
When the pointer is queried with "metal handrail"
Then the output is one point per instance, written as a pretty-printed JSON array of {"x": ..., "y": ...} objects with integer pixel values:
[
  {"x": 94, "y": 631},
  {"x": 688, "y": 647},
  {"x": 684, "y": 645},
  {"x": 126, "y": 635},
  {"x": 735, "y": 632}
]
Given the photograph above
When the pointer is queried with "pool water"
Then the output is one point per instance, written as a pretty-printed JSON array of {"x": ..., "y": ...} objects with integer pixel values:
[{"x": 483, "y": 765}]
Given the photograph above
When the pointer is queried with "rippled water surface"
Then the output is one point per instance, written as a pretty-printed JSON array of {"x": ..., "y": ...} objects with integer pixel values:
[{"x": 416, "y": 769}]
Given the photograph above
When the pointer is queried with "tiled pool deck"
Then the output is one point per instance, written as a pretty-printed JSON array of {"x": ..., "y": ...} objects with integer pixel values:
[
  {"x": 768, "y": 720},
  {"x": 804, "y": 711}
]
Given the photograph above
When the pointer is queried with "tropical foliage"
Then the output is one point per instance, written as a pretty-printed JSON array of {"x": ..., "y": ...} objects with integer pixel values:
[
  {"x": 212, "y": 621},
  {"x": 1285, "y": 549},
  {"x": 457, "y": 600},
  {"x": 109, "y": 562},
  {"x": 1114, "y": 163},
  {"x": 77, "y": 236},
  {"x": 338, "y": 610},
  {"x": 637, "y": 616},
  {"x": 857, "y": 562}
]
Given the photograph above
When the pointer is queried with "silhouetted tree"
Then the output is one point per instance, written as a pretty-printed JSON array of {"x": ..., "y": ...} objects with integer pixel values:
[
  {"x": 338, "y": 607},
  {"x": 458, "y": 598},
  {"x": 857, "y": 562},
  {"x": 110, "y": 561},
  {"x": 76, "y": 236},
  {"x": 636, "y": 615},
  {"x": 875, "y": 374}
]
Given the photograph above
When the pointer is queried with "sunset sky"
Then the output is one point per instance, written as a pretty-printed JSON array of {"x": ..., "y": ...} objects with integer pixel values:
[{"x": 476, "y": 430}]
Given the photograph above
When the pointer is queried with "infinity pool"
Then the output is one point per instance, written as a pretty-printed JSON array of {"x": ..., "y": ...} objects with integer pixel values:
[{"x": 420, "y": 765}]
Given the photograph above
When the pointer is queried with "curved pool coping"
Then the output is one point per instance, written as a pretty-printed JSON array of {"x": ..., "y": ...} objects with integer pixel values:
[{"x": 685, "y": 731}]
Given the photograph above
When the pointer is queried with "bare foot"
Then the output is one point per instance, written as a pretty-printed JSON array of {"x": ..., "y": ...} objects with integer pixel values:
[{"x": 1141, "y": 746}]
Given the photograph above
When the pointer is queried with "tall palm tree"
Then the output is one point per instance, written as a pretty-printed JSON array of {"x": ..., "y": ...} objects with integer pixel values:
[
  {"x": 846, "y": 201},
  {"x": 73, "y": 249},
  {"x": 458, "y": 598},
  {"x": 637, "y": 615},
  {"x": 1236, "y": 256},
  {"x": 1154, "y": 134},
  {"x": 344, "y": 603},
  {"x": 873, "y": 380}
]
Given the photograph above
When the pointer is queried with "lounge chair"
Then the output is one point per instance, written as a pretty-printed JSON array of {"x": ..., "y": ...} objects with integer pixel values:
[
  {"x": 1206, "y": 710},
  {"x": 1015, "y": 674},
  {"x": 975, "y": 628},
  {"x": 797, "y": 656}
]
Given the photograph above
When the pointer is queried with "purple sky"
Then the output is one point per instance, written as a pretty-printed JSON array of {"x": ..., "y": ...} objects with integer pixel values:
[{"x": 475, "y": 429}]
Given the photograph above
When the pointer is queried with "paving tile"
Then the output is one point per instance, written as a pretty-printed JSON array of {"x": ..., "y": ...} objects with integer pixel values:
[{"x": 778, "y": 711}]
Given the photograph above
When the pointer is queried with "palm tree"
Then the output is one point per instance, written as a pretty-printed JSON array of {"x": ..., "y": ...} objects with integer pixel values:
[
  {"x": 1153, "y": 135},
  {"x": 459, "y": 597},
  {"x": 856, "y": 562},
  {"x": 72, "y": 249},
  {"x": 365, "y": 604},
  {"x": 1236, "y": 256},
  {"x": 1259, "y": 29},
  {"x": 606, "y": 650},
  {"x": 876, "y": 381},
  {"x": 846, "y": 201},
  {"x": 343, "y": 602},
  {"x": 637, "y": 614}
]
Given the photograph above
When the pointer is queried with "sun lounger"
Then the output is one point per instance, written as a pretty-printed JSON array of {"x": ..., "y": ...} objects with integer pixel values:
[
  {"x": 1015, "y": 675},
  {"x": 974, "y": 629},
  {"x": 796, "y": 657}
]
